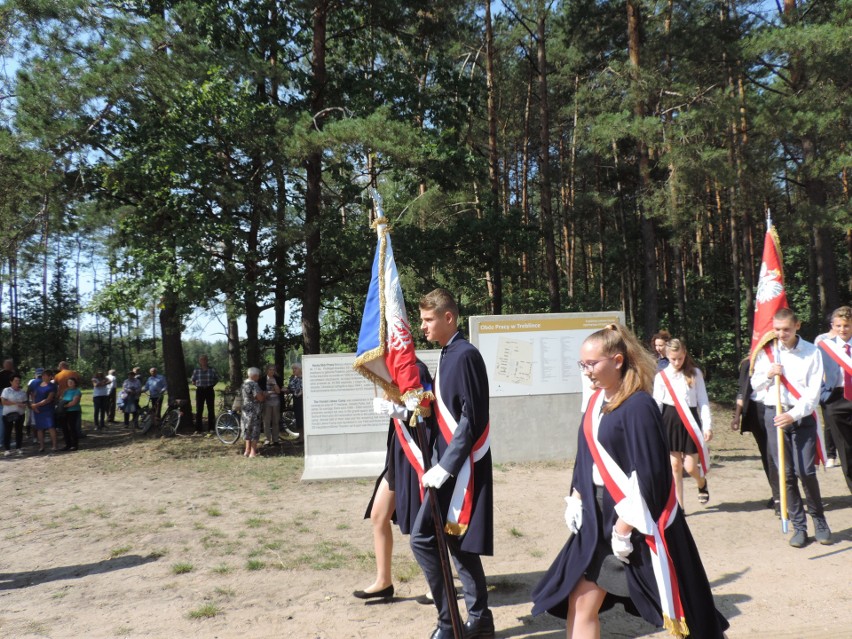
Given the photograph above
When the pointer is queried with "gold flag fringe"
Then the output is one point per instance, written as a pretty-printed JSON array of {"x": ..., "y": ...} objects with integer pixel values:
[
  {"x": 676, "y": 627},
  {"x": 456, "y": 530}
]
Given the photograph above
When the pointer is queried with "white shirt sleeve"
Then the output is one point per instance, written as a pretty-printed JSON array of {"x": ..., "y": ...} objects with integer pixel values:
[
  {"x": 659, "y": 391},
  {"x": 703, "y": 401}
]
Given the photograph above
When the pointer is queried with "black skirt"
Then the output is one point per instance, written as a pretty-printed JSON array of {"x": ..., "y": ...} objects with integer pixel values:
[
  {"x": 605, "y": 569},
  {"x": 678, "y": 436}
]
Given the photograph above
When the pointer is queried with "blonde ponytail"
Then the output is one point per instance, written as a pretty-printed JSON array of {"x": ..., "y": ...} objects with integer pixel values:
[{"x": 638, "y": 369}]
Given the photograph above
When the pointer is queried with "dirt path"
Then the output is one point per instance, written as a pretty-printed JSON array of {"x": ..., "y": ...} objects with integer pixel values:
[{"x": 185, "y": 538}]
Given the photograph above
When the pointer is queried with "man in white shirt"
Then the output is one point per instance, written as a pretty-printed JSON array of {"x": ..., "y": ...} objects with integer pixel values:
[
  {"x": 837, "y": 388},
  {"x": 796, "y": 366}
]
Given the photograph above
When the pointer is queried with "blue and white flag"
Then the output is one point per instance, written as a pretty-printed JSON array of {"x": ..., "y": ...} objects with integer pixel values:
[{"x": 385, "y": 352}]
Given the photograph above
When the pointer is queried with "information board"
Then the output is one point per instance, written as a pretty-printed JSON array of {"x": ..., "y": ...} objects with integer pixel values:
[
  {"x": 535, "y": 354},
  {"x": 339, "y": 400}
]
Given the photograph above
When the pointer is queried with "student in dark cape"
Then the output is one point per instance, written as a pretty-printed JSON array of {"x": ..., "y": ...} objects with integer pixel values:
[
  {"x": 462, "y": 475},
  {"x": 622, "y": 505},
  {"x": 397, "y": 494}
]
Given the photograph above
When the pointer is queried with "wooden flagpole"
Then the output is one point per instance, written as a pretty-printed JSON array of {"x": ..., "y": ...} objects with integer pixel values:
[{"x": 440, "y": 535}]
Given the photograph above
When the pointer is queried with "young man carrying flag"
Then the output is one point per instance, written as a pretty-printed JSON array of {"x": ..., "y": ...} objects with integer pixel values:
[{"x": 787, "y": 378}]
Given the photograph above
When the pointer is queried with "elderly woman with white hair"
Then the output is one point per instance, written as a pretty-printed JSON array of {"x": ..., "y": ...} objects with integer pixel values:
[{"x": 252, "y": 410}]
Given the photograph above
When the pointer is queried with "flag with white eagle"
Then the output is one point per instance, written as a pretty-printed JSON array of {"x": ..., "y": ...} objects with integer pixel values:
[{"x": 385, "y": 352}]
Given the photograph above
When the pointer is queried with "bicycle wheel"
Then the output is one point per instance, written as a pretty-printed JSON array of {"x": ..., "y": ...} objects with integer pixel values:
[
  {"x": 170, "y": 423},
  {"x": 227, "y": 428},
  {"x": 288, "y": 426},
  {"x": 146, "y": 420}
]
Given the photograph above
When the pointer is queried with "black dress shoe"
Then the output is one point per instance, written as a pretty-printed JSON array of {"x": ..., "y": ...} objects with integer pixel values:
[
  {"x": 482, "y": 628},
  {"x": 442, "y": 633},
  {"x": 384, "y": 593}
]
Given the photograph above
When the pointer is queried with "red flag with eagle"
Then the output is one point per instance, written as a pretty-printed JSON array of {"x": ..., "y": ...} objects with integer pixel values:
[
  {"x": 385, "y": 352},
  {"x": 770, "y": 296}
]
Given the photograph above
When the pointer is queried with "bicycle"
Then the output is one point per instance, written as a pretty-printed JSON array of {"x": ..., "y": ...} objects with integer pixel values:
[
  {"x": 288, "y": 419},
  {"x": 228, "y": 424},
  {"x": 171, "y": 421}
]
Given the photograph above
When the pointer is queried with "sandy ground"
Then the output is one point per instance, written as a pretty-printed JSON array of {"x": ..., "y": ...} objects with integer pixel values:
[{"x": 186, "y": 538}]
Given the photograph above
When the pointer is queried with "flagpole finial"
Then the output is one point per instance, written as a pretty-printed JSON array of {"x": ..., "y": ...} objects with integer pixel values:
[
  {"x": 377, "y": 199},
  {"x": 768, "y": 218}
]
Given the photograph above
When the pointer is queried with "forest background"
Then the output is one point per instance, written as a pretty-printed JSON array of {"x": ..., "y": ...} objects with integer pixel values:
[{"x": 533, "y": 157}]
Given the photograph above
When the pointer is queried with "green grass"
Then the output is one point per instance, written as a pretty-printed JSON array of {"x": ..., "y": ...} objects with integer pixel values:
[
  {"x": 118, "y": 552},
  {"x": 222, "y": 569},
  {"x": 214, "y": 512},
  {"x": 205, "y": 611},
  {"x": 515, "y": 532},
  {"x": 182, "y": 568},
  {"x": 255, "y": 564}
]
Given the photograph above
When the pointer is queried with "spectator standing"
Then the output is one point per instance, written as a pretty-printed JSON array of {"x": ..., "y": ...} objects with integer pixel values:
[
  {"x": 63, "y": 374},
  {"x": 111, "y": 393},
  {"x": 294, "y": 387},
  {"x": 43, "y": 404},
  {"x": 100, "y": 399},
  {"x": 271, "y": 385},
  {"x": 155, "y": 386},
  {"x": 14, "y": 399},
  {"x": 7, "y": 374},
  {"x": 253, "y": 398},
  {"x": 131, "y": 389},
  {"x": 204, "y": 378},
  {"x": 72, "y": 411},
  {"x": 31, "y": 386}
]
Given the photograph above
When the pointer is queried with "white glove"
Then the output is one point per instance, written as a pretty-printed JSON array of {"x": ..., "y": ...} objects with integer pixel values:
[
  {"x": 434, "y": 477},
  {"x": 574, "y": 513},
  {"x": 621, "y": 546},
  {"x": 412, "y": 403},
  {"x": 385, "y": 407},
  {"x": 379, "y": 406}
]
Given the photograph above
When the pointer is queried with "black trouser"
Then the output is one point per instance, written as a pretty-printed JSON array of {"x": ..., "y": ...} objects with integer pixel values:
[
  {"x": 424, "y": 545},
  {"x": 298, "y": 413},
  {"x": 70, "y": 420},
  {"x": 838, "y": 417},
  {"x": 754, "y": 415},
  {"x": 204, "y": 394},
  {"x": 800, "y": 444},
  {"x": 16, "y": 421},
  {"x": 111, "y": 406},
  {"x": 101, "y": 403}
]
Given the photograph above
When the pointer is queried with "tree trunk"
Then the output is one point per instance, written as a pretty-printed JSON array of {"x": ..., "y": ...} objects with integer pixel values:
[
  {"x": 649, "y": 239},
  {"x": 544, "y": 172},
  {"x": 174, "y": 363},
  {"x": 493, "y": 207},
  {"x": 312, "y": 294}
]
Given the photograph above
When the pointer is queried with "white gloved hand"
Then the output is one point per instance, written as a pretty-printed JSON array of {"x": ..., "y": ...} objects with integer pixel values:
[
  {"x": 621, "y": 546},
  {"x": 412, "y": 403},
  {"x": 573, "y": 513},
  {"x": 380, "y": 406},
  {"x": 435, "y": 477},
  {"x": 386, "y": 407}
]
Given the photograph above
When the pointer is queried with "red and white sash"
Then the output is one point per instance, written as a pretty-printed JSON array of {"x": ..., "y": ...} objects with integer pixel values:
[
  {"x": 619, "y": 485},
  {"x": 821, "y": 455},
  {"x": 689, "y": 422},
  {"x": 461, "y": 503},
  {"x": 833, "y": 350},
  {"x": 412, "y": 451}
]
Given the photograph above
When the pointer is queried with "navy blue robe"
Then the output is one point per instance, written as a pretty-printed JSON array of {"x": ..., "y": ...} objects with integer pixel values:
[
  {"x": 633, "y": 436},
  {"x": 463, "y": 382},
  {"x": 406, "y": 484}
]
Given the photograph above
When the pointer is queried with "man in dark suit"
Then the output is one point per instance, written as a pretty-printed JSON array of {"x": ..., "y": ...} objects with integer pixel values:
[{"x": 462, "y": 475}]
